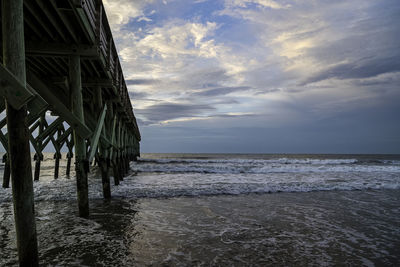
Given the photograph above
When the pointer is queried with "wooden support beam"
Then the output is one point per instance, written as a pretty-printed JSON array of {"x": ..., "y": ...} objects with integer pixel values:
[
  {"x": 66, "y": 21},
  {"x": 118, "y": 154},
  {"x": 33, "y": 143},
  {"x": 51, "y": 129},
  {"x": 81, "y": 163},
  {"x": 36, "y": 14},
  {"x": 50, "y": 134},
  {"x": 34, "y": 127},
  {"x": 16, "y": 93},
  {"x": 70, "y": 144},
  {"x": 91, "y": 123},
  {"x": 57, "y": 145},
  {"x": 7, "y": 171},
  {"x": 58, "y": 106},
  {"x": 112, "y": 127},
  {"x": 60, "y": 49},
  {"x": 123, "y": 151},
  {"x": 64, "y": 136},
  {"x": 96, "y": 82},
  {"x": 91, "y": 62},
  {"x": 18, "y": 132},
  {"x": 37, "y": 105},
  {"x": 39, "y": 143},
  {"x": 61, "y": 82},
  {"x": 37, "y": 167},
  {"x": 4, "y": 140},
  {"x": 113, "y": 136},
  {"x": 99, "y": 21},
  {"x": 57, "y": 157},
  {"x": 109, "y": 54},
  {"x": 33, "y": 25},
  {"x": 96, "y": 136},
  {"x": 50, "y": 15},
  {"x": 102, "y": 156},
  {"x": 83, "y": 20},
  {"x": 127, "y": 150}
]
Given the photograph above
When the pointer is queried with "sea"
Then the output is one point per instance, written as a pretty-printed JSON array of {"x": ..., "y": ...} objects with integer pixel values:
[{"x": 220, "y": 210}]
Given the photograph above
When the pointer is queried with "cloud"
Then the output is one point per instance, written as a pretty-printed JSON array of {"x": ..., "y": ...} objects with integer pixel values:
[
  {"x": 168, "y": 111},
  {"x": 138, "y": 95},
  {"x": 222, "y": 91},
  {"x": 120, "y": 12},
  {"x": 363, "y": 69},
  {"x": 289, "y": 62},
  {"x": 173, "y": 39},
  {"x": 141, "y": 81},
  {"x": 262, "y": 3}
]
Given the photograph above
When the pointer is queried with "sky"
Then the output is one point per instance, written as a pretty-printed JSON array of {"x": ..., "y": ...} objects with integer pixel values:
[{"x": 262, "y": 76}]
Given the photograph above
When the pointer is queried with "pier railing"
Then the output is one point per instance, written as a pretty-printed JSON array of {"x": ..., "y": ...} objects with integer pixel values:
[{"x": 99, "y": 26}]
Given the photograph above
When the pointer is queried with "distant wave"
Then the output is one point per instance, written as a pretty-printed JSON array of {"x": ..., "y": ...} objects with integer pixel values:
[
  {"x": 174, "y": 177},
  {"x": 252, "y": 161},
  {"x": 279, "y": 165}
]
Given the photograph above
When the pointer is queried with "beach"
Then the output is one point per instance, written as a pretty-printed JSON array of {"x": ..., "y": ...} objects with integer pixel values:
[{"x": 221, "y": 210}]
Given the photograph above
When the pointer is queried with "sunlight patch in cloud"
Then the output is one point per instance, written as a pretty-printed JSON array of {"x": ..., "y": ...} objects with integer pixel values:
[{"x": 119, "y": 12}]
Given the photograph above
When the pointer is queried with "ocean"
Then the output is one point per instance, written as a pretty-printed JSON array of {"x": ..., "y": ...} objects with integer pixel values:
[{"x": 220, "y": 210}]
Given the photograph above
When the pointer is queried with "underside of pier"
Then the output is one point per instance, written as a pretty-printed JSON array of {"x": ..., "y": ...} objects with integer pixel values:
[{"x": 62, "y": 82}]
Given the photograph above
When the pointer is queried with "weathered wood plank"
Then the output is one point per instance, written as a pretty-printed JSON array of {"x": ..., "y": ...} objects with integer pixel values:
[
  {"x": 50, "y": 15},
  {"x": 81, "y": 163},
  {"x": 96, "y": 136},
  {"x": 66, "y": 21},
  {"x": 51, "y": 129},
  {"x": 13, "y": 90},
  {"x": 18, "y": 136},
  {"x": 61, "y": 49},
  {"x": 58, "y": 106}
]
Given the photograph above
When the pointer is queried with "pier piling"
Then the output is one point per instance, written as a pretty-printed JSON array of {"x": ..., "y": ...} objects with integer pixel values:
[
  {"x": 105, "y": 177},
  {"x": 68, "y": 169},
  {"x": 18, "y": 136},
  {"x": 57, "y": 157},
  {"x": 37, "y": 158},
  {"x": 7, "y": 171},
  {"x": 81, "y": 163}
]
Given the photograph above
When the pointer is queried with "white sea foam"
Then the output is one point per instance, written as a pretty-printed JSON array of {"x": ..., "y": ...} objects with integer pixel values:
[
  {"x": 263, "y": 166},
  {"x": 251, "y": 161},
  {"x": 191, "y": 177}
]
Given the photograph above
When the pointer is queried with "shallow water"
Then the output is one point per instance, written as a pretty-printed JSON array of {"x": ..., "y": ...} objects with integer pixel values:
[
  {"x": 339, "y": 216},
  {"x": 317, "y": 228}
]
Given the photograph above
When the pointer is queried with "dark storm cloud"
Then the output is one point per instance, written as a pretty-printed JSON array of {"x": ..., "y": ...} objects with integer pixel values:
[
  {"x": 222, "y": 91},
  {"x": 368, "y": 46},
  {"x": 168, "y": 111},
  {"x": 356, "y": 70}
]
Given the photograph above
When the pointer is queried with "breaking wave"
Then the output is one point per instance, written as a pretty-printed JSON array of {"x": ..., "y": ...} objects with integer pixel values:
[{"x": 174, "y": 177}]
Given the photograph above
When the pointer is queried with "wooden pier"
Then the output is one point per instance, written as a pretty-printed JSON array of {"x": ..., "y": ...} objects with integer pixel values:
[{"x": 59, "y": 58}]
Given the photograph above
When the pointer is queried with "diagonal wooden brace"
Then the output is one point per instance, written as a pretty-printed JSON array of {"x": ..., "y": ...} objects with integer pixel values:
[
  {"x": 96, "y": 136},
  {"x": 16, "y": 93}
]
